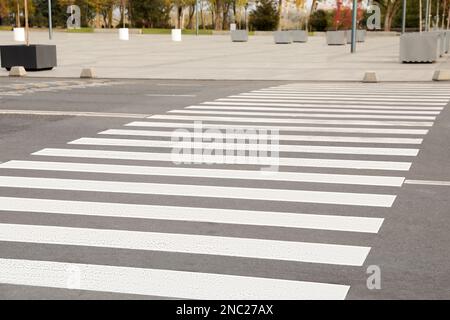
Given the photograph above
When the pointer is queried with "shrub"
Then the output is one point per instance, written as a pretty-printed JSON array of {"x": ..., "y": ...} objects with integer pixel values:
[
  {"x": 318, "y": 21},
  {"x": 265, "y": 16}
]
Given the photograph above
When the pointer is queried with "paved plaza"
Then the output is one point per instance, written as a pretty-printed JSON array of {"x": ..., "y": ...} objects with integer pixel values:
[{"x": 216, "y": 57}]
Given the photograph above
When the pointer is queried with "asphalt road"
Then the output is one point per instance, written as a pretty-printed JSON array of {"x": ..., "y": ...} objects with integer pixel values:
[{"x": 151, "y": 257}]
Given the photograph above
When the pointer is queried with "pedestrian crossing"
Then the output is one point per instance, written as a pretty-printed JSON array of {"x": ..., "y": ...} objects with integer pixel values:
[{"x": 210, "y": 221}]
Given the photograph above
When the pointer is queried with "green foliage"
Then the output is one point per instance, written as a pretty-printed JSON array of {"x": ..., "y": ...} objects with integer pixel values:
[
  {"x": 150, "y": 13},
  {"x": 319, "y": 20},
  {"x": 265, "y": 16},
  {"x": 412, "y": 15},
  {"x": 81, "y": 30}
]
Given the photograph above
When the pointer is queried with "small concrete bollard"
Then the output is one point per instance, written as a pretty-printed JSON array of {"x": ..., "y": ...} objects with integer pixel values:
[
  {"x": 441, "y": 75},
  {"x": 87, "y": 73},
  {"x": 370, "y": 77},
  {"x": 17, "y": 72}
]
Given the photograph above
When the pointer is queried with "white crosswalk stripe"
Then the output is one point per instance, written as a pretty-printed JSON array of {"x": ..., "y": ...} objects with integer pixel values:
[
  {"x": 334, "y": 171},
  {"x": 304, "y": 121},
  {"x": 207, "y": 173},
  {"x": 306, "y": 96},
  {"x": 182, "y": 125},
  {"x": 334, "y": 100},
  {"x": 307, "y": 115},
  {"x": 335, "y": 110},
  {"x": 248, "y": 217},
  {"x": 318, "y": 105},
  {"x": 166, "y": 157},
  {"x": 245, "y": 146},
  {"x": 246, "y": 135},
  {"x": 179, "y": 284}
]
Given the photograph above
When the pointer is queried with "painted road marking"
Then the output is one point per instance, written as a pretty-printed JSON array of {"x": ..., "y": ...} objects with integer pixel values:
[
  {"x": 324, "y": 96},
  {"x": 206, "y": 173},
  {"x": 428, "y": 182},
  {"x": 194, "y": 214},
  {"x": 408, "y": 152},
  {"x": 231, "y": 135},
  {"x": 187, "y": 243},
  {"x": 321, "y": 105},
  {"x": 334, "y": 101},
  {"x": 262, "y": 161},
  {"x": 163, "y": 283},
  {"x": 324, "y": 197},
  {"x": 75, "y": 113},
  {"x": 280, "y": 128},
  {"x": 335, "y": 110},
  {"x": 304, "y": 121},
  {"x": 305, "y": 115}
]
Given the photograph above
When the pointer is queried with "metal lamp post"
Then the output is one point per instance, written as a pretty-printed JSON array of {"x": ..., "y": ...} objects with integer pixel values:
[
  {"x": 354, "y": 17},
  {"x": 404, "y": 17},
  {"x": 50, "y": 27},
  {"x": 196, "y": 17}
]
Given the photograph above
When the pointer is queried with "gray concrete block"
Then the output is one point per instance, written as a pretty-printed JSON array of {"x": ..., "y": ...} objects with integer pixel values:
[
  {"x": 370, "y": 77},
  {"x": 337, "y": 38},
  {"x": 281, "y": 37},
  {"x": 17, "y": 72},
  {"x": 420, "y": 47},
  {"x": 88, "y": 73},
  {"x": 360, "y": 36},
  {"x": 299, "y": 35},
  {"x": 239, "y": 35},
  {"x": 441, "y": 75}
]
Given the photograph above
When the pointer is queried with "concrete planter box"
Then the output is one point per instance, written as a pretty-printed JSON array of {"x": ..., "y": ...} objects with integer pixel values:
[
  {"x": 239, "y": 35},
  {"x": 34, "y": 57},
  {"x": 442, "y": 42},
  {"x": 420, "y": 47},
  {"x": 282, "y": 37},
  {"x": 336, "y": 38},
  {"x": 299, "y": 35},
  {"x": 360, "y": 36}
]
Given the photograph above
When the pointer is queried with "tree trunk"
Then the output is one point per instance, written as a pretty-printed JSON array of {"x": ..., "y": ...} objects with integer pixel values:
[
  {"x": 27, "y": 31},
  {"x": 443, "y": 13},
  {"x": 280, "y": 14},
  {"x": 391, "y": 10},
  {"x": 225, "y": 10},
  {"x": 202, "y": 19},
  {"x": 437, "y": 14},
  {"x": 420, "y": 15},
  {"x": 179, "y": 14},
  {"x": 191, "y": 17},
  {"x": 217, "y": 15},
  {"x": 388, "y": 18},
  {"x": 448, "y": 18},
  {"x": 18, "y": 14}
]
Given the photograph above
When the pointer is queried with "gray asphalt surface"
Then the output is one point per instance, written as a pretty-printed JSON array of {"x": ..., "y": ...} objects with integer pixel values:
[{"x": 411, "y": 248}]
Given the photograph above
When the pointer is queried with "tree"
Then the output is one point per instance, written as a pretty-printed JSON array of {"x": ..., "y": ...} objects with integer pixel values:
[
  {"x": 390, "y": 9},
  {"x": 300, "y": 5},
  {"x": 280, "y": 14},
  {"x": 265, "y": 16},
  {"x": 318, "y": 21},
  {"x": 151, "y": 13}
]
